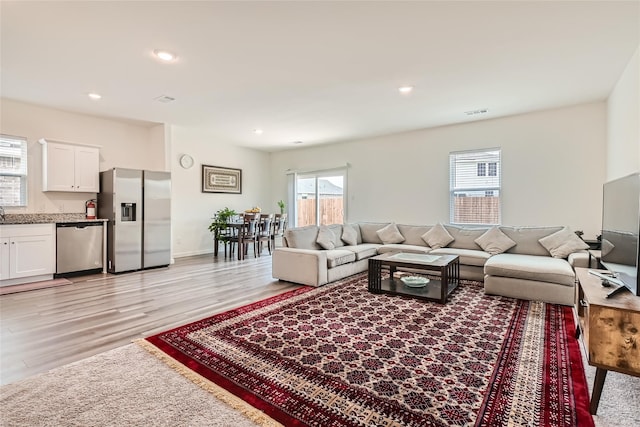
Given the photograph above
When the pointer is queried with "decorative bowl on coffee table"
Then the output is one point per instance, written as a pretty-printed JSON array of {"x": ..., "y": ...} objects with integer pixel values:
[{"x": 414, "y": 281}]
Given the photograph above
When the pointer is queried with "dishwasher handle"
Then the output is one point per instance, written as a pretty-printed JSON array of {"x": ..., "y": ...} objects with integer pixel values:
[{"x": 79, "y": 225}]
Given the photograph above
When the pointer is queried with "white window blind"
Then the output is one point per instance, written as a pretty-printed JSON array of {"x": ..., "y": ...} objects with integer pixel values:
[
  {"x": 13, "y": 171},
  {"x": 474, "y": 187}
]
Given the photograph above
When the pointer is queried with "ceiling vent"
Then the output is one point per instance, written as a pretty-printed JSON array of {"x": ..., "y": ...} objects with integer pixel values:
[
  {"x": 476, "y": 112},
  {"x": 164, "y": 99}
]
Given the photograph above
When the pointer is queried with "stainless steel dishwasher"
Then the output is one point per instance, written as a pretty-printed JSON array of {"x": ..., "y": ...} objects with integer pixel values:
[{"x": 79, "y": 246}]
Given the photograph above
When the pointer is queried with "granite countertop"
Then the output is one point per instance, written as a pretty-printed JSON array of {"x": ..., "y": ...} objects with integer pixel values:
[{"x": 47, "y": 218}]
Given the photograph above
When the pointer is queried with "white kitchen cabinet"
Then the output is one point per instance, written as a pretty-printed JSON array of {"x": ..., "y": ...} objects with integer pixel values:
[
  {"x": 27, "y": 253},
  {"x": 67, "y": 167},
  {"x": 4, "y": 258}
]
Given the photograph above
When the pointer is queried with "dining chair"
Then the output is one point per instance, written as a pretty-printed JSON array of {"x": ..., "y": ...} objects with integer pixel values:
[
  {"x": 224, "y": 235},
  {"x": 279, "y": 226},
  {"x": 264, "y": 232},
  {"x": 246, "y": 235}
]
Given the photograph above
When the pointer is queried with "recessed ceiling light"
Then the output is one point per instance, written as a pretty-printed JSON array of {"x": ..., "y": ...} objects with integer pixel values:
[
  {"x": 165, "y": 55},
  {"x": 258, "y": 131},
  {"x": 94, "y": 95},
  {"x": 297, "y": 142},
  {"x": 405, "y": 89}
]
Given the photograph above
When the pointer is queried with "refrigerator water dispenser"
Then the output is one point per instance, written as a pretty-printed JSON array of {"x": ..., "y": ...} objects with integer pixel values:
[{"x": 127, "y": 212}]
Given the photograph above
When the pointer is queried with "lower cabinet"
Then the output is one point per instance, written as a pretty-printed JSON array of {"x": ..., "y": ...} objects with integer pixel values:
[
  {"x": 4, "y": 258},
  {"x": 27, "y": 252}
]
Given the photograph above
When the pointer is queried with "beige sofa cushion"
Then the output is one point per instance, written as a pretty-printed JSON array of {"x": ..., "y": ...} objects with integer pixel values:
[
  {"x": 526, "y": 239},
  {"x": 369, "y": 231},
  {"x": 495, "y": 241},
  {"x": 465, "y": 237},
  {"x": 337, "y": 233},
  {"x": 325, "y": 238},
  {"x": 349, "y": 235},
  {"x": 364, "y": 250},
  {"x": 338, "y": 257},
  {"x": 413, "y": 234},
  {"x": 302, "y": 237},
  {"x": 562, "y": 243},
  {"x": 530, "y": 267},
  {"x": 437, "y": 237},
  {"x": 467, "y": 256},
  {"x": 390, "y": 234},
  {"x": 402, "y": 247}
]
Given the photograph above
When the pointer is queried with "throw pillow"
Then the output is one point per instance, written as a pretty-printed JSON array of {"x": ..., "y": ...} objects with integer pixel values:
[
  {"x": 325, "y": 238},
  {"x": 562, "y": 243},
  {"x": 349, "y": 235},
  {"x": 495, "y": 241},
  {"x": 390, "y": 234},
  {"x": 437, "y": 237}
]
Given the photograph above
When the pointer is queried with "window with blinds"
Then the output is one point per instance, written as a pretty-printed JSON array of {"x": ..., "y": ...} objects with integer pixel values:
[
  {"x": 474, "y": 187},
  {"x": 13, "y": 171}
]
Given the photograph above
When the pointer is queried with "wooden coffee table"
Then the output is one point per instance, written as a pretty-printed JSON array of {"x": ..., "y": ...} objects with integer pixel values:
[{"x": 436, "y": 290}]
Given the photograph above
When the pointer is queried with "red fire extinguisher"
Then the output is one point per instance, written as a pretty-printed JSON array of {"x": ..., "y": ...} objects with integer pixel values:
[{"x": 91, "y": 209}]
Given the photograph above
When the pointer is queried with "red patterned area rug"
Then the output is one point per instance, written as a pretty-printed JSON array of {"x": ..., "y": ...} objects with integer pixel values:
[{"x": 341, "y": 356}]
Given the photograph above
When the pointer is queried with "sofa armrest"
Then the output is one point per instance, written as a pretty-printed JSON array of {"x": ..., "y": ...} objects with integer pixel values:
[
  {"x": 579, "y": 259},
  {"x": 304, "y": 266}
]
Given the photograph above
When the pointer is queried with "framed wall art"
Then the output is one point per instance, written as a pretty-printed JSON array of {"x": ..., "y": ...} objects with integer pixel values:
[{"x": 216, "y": 179}]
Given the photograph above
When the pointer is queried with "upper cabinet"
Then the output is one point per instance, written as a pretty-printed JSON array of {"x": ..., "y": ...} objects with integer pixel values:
[{"x": 67, "y": 167}]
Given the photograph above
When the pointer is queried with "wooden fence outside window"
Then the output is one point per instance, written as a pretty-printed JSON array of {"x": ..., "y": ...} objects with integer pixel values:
[
  {"x": 331, "y": 211},
  {"x": 476, "y": 210}
]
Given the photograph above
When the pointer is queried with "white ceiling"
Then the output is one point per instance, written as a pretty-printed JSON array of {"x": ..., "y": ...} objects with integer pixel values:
[{"x": 316, "y": 72}]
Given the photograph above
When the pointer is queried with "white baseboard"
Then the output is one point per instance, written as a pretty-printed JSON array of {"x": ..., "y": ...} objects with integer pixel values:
[{"x": 192, "y": 253}]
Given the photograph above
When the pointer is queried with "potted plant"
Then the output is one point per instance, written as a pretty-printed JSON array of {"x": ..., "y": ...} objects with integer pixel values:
[
  {"x": 281, "y": 205},
  {"x": 220, "y": 220}
]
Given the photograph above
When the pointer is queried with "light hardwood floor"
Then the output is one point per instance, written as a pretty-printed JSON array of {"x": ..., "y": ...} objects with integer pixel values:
[{"x": 47, "y": 328}]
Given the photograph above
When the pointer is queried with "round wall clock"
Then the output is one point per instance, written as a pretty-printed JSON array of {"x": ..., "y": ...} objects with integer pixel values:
[{"x": 186, "y": 161}]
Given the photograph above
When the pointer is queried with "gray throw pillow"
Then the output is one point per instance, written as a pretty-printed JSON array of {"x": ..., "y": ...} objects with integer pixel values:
[
  {"x": 349, "y": 235},
  {"x": 437, "y": 237},
  {"x": 495, "y": 241},
  {"x": 390, "y": 234},
  {"x": 562, "y": 243},
  {"x": 325, "y": 238}
]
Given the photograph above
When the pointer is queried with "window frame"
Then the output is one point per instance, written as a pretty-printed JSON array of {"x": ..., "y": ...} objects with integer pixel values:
[
  {"x": 316, "y": 175},
  {"x": 21, "y": 173},
  {"x": 484, "y": 183}
]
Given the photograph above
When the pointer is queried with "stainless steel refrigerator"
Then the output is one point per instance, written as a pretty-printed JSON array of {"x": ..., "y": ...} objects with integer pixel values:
[{"x": 137, "y": 204}]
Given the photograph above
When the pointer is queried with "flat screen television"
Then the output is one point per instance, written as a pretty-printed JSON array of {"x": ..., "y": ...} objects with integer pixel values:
[{"x": 620, "y": 230}]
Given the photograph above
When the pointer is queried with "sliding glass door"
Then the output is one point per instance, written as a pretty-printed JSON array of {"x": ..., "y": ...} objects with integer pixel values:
[{"x": 320, "y": 198}]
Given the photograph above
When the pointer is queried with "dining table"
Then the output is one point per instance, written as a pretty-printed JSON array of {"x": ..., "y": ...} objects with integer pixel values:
[{"x": 233, "y": 228}]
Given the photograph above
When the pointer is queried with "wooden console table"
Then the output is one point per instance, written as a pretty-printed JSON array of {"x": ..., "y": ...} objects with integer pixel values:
[{"x": 610, "y": 330}]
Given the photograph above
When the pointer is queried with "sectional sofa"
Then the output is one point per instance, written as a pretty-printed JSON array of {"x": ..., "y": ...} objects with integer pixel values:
[{"x": 534, "y": 263}]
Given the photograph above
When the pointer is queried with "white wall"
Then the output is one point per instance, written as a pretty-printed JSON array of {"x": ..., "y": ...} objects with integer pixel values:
[
  {"x": 552, "y": 169},
  {"x": 623, "y": 131},
  {"x": 123, "y": 144},
  {"x": 192, "y": 210}
]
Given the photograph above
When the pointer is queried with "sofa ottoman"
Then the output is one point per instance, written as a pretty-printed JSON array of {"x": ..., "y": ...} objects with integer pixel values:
[{"x": 530, "y": 277}]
